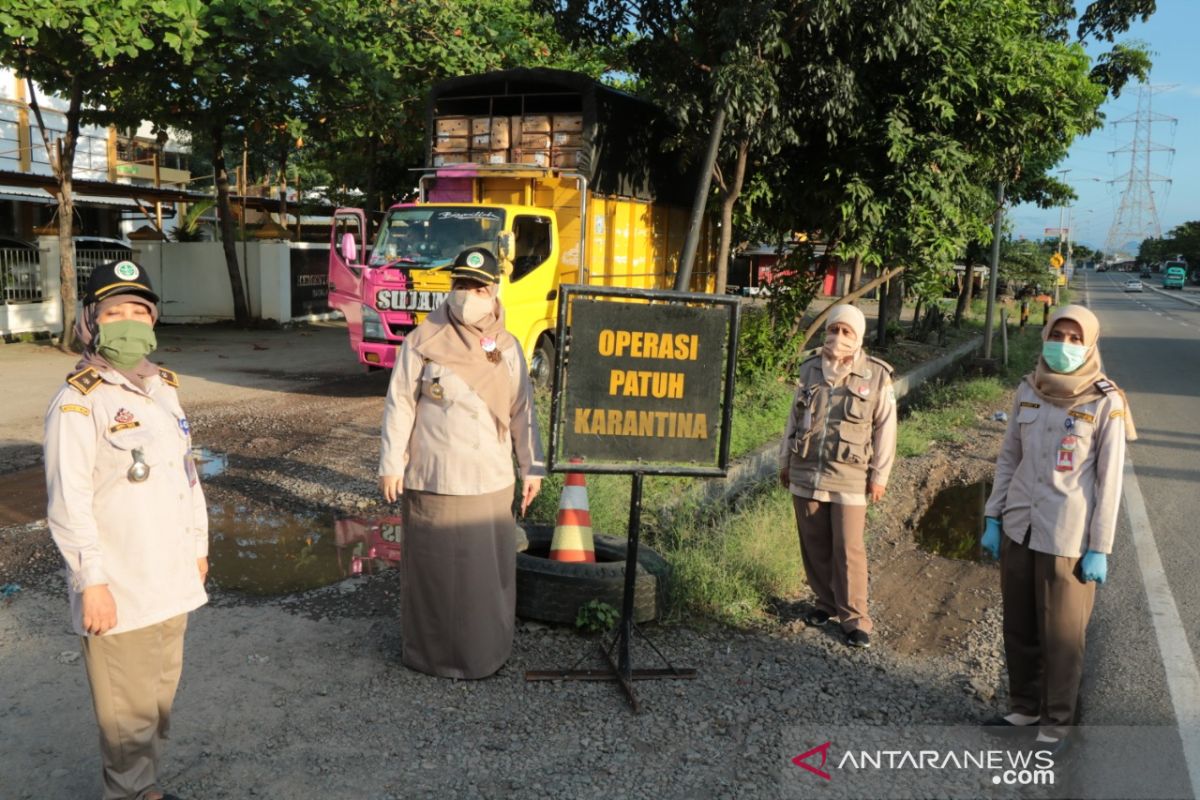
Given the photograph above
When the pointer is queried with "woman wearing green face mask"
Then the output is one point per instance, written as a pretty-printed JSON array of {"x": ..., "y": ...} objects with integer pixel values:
[
  {"x": 127, "y": 513},
  {"x": 1051, "y": 519}
]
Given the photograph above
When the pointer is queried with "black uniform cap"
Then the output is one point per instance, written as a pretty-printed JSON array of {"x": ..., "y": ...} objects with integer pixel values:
[
  {"x": 118, "y": 277},
  {"x": 476, "y": 264}
]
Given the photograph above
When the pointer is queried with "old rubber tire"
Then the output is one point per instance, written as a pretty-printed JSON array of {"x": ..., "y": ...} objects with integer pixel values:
[
  {"x": 541, "y": 366},
  {"x": 553, "y": 591}
]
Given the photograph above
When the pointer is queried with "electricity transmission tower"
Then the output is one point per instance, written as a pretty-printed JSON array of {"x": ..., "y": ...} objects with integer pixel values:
[{"x": 1137, "y": 218}]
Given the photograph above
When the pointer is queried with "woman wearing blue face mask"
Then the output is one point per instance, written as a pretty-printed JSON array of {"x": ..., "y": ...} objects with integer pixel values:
[
  {"x": 127, "y": 513},
  {"x": 1051, "y": 519}
]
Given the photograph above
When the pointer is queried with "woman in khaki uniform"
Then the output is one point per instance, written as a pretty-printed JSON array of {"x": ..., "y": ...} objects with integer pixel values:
[
  {"x": 1051, "y": 518},
  {"x": 837, "y": 454},
  {"x": 127, "y": 513},
  {"x": 459, "y": 406}
]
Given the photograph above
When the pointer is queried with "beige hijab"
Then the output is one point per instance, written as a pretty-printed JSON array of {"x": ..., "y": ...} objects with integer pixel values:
[
  {"x": 445, "y": 339},
  {"x": 838, "y": 355},
  {"x": 1078, "y": 387}
]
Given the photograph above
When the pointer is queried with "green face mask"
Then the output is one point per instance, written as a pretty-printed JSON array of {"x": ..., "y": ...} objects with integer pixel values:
[{"x": 126, "y": 342}]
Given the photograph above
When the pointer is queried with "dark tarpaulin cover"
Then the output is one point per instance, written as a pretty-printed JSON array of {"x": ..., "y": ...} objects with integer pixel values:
[{"x": 623, "y": 137}]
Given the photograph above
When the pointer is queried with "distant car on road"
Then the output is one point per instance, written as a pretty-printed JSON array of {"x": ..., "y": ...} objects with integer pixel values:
[{"x": 1133, "y": 285}]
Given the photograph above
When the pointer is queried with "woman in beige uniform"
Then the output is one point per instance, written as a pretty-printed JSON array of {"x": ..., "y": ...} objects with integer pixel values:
[
  {"x": 1051, "y": 518},
  {"x": 837, "y": 454},
  {"x": 459, "y": 406},
  {"x": 127, "y": 513}
]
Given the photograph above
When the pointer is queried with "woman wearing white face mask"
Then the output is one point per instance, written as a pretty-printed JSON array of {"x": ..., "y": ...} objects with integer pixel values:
[
  {"x": 837, "y": 453},
  {"x": 459, "y": 406},
  {"x": 1051, "y": 518}
]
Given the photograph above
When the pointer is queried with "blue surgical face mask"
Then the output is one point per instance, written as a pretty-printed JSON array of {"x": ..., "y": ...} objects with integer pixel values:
[{"x": 1063, "y": 357}]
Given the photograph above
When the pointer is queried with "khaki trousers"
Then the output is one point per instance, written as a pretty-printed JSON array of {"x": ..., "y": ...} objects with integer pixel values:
[
  {"x": 133, "y": 677},
  {"x": 835, "y": 559},
  {"x": 1046, "y": 612}
]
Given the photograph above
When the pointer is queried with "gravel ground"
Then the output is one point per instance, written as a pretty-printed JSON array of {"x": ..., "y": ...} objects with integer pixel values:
[{"x": 304, "y": 696}]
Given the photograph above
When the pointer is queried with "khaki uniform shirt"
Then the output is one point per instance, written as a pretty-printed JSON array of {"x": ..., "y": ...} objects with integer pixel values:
[
  {"x": 142, "y": 539},
  {"x": 1069, "y": 498},
  {"x": 842, "y": 436},
  {"x": 448, "y": 444}
]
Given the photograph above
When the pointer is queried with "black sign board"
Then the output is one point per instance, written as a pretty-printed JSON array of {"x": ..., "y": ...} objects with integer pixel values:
[
  {"x": 643, "y": 386},
  {"x": 310, "y": 280}
]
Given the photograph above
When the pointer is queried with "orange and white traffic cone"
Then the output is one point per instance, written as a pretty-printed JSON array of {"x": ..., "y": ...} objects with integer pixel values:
[{"x": 573, "y": 527}]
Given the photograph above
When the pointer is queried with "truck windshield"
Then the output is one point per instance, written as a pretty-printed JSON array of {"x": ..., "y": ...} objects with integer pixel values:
[{"x": 428, "y": 237}]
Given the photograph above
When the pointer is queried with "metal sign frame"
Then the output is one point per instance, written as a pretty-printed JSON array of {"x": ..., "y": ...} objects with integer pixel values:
[
  {"x": 621, "y": 668},
  {"x": 563, "y": 339}
]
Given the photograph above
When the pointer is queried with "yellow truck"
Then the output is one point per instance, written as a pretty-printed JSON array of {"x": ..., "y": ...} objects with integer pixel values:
[{"x": 564, "y": 178}]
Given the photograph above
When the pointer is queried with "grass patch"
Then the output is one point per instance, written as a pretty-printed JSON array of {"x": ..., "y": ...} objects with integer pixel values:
[
  {"x": 728, "y": 568},
  {"x": 945, "y": 409}
]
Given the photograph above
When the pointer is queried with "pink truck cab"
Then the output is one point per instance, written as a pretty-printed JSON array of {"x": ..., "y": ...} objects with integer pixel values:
[{"x": 387, "y": 291}]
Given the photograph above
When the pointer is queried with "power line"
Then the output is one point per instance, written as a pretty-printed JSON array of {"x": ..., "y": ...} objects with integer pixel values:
[{"x": 1137, "y": 217}]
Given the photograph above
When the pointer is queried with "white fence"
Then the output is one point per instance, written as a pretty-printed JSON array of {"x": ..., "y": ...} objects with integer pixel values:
[{"x": 191, "y": 278}]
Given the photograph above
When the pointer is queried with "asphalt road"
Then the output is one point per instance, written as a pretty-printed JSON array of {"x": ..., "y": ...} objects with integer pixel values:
[{"x": 1151, "y": 348}]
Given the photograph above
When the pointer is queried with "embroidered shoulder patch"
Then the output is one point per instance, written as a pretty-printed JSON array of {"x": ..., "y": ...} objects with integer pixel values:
[
  {"x": 1106, "y": 386},
  {"x": 71, "y": 407},
  {"x": 888, "y": 368},
  {"x": 168, "y": 377},
  {"x": 1116, "y": 415},
  {"x": 85, "y": 380}
]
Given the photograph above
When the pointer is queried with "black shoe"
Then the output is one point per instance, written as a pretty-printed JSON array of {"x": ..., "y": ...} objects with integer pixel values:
[
  {"x": 816, "y": 618},
  {"x": 858, "y": 639}
]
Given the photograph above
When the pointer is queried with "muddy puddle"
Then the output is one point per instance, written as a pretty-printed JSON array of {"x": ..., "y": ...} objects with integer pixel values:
[
  {"x": 954, "y": 522},
  {"x": 268, "y": 553},
  {"x": 209, "y": 463}
]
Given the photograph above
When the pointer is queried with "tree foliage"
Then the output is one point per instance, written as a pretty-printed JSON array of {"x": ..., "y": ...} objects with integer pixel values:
[{"x": 87, "y": 52}]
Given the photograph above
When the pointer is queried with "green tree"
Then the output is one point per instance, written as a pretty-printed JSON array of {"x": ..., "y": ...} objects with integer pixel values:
[
  {"x": 367, "y": 122},
  {"x": 248, "y": 81},
  {"x": 86, "y": 52}
]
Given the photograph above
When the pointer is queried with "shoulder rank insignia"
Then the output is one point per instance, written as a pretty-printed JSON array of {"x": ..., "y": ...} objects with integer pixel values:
[
  {"x": 887, "y": 367},
  {"x": 85, "y": 380},
  {"x": 1106, "y": 386},
  {"x": 168, "y": 377}
]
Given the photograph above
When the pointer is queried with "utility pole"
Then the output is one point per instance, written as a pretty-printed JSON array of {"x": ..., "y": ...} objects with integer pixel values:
[
  {"x": 1062, "y": 175},
  {"x": 1137, "y": 217}
]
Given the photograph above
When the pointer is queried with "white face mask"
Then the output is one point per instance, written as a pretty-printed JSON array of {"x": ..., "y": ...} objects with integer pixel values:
[
  {"x": 468, "y": 307},
  {"x": 840, "y": 345}
]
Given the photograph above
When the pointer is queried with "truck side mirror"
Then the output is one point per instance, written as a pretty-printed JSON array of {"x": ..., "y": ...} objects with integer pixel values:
[
  {"x": 505, "y": 245},
  {"x": 349, "y": 248}
]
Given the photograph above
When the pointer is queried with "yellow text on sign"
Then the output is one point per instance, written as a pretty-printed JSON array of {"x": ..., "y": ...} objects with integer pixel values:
[
  {"x": 647, "y": 344},
  {"x": 658, "y": 424},
  {"x": 645, "y": 383}
]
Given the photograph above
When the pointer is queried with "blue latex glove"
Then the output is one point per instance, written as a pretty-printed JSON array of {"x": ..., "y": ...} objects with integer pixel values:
[
  {"x": 1094, "y": 566},
  {"x": 991, "y": 537}
]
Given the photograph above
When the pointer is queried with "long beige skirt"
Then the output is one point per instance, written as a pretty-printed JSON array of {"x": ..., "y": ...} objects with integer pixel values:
[{"x": 458, "y": 590}]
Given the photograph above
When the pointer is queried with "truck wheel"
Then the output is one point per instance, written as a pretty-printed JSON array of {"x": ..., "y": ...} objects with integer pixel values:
[
  {"x": 553, "y": 591},
  {"x": 541, "y": 368}
]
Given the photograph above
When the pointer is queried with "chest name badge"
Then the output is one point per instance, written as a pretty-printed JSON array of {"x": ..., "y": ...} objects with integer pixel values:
[{"x": 1064, "y": 461}]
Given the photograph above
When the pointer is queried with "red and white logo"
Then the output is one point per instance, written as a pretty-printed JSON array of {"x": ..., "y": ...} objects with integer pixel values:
[{"x": 802, "y": 760}]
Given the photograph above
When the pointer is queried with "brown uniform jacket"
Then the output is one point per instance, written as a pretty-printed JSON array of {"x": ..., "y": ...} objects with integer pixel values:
[
  {"x": 840, "y": 438},
  {"x": 141, "y": 538},
  {"x": 444, "y": 440},
  {"x": 1069, "y": 498}
]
